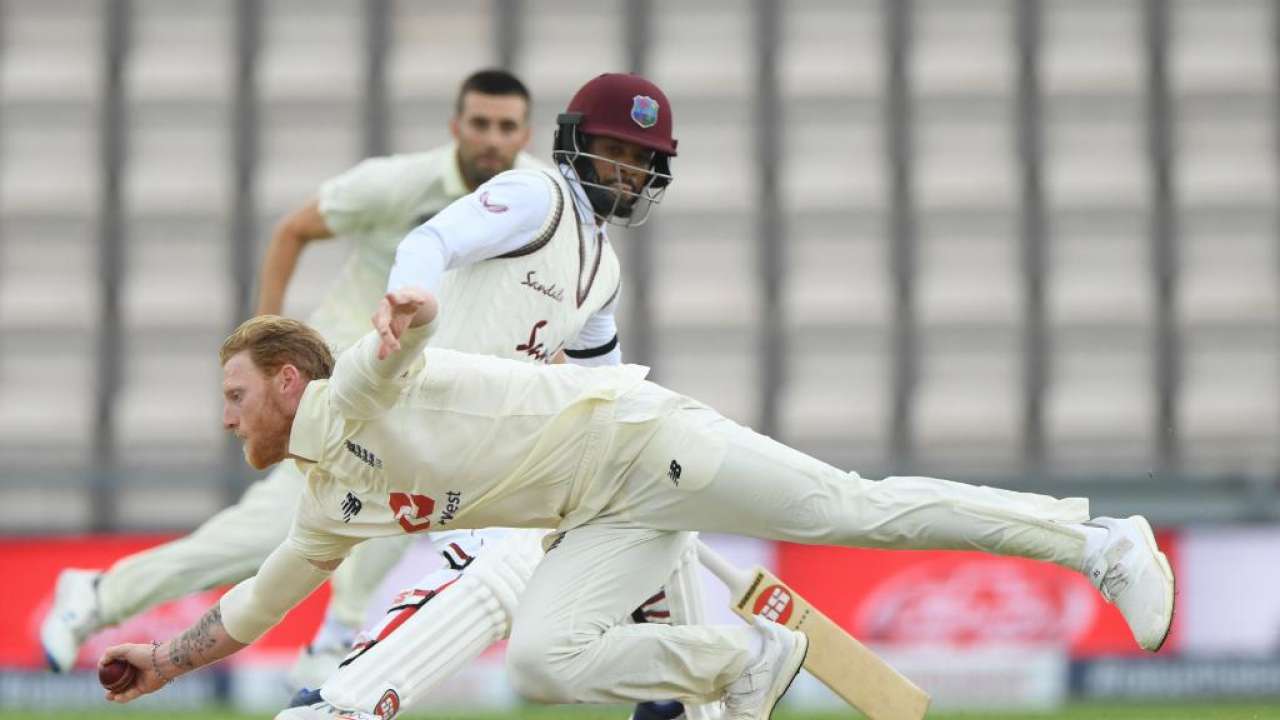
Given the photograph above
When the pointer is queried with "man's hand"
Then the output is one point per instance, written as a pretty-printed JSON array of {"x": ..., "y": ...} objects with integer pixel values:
[
  {"x": 146, "y": 680},
  {"x": 398, "y": 311}
]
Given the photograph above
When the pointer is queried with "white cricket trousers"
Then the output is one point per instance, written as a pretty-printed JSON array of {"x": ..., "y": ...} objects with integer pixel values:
[
  {"x": 230, "y": 547},
  {"x": 567, "y": 644}
]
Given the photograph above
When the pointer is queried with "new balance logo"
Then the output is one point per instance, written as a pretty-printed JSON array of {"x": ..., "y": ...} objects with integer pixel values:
[
  {"x": 365, "y": 456},
  {"x": 673, "y": 472},
  {"x": 351, "y": 507}
]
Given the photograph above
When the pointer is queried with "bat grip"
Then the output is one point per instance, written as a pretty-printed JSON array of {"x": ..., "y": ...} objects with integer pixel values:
[{"x": 734, "y": 578}]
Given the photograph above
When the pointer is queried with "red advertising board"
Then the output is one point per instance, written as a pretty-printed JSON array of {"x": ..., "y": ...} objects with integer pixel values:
[
  {"x": 961, "y": 599},
  {"x": 32, "y": 564}
]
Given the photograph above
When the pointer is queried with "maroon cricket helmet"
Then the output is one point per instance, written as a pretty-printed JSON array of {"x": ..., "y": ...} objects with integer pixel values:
[{"x": 624, "y": 107}]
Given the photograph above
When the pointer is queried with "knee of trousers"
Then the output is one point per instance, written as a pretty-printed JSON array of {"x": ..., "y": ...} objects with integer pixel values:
[{"x": 542, "y": 666}]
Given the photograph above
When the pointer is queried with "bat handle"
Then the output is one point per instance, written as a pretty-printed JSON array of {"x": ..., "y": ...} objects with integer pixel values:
[{"x": 733, "y": 577}]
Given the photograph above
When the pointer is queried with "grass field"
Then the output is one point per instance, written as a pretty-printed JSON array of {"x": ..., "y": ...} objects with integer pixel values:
[{"x": 1180, "y": 711}]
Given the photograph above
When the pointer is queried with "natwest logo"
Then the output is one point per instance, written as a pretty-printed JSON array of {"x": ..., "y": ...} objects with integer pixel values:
[
  {"x": 413, "y": 512},
  {"x": 990, "y": 600}
]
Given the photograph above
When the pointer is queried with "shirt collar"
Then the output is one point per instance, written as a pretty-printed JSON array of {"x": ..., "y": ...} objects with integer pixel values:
[
  {"x": 451, "y": 174},
  {"x": 306, "y": 438}
]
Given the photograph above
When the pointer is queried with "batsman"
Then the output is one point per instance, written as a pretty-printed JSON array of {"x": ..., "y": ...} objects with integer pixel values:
[{"x": 620, "y": 468}]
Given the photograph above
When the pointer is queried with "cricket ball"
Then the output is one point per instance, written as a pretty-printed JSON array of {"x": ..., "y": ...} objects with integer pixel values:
[{"x": 117, "y": 675}]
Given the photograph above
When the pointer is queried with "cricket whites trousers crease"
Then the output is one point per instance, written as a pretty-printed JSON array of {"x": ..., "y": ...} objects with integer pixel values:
[
  {"x": 230, "y": 547},
  {"x": 566, "y": 642},
  {"x": 569, "y": 641},
  {"x": 768, "y": 490}
]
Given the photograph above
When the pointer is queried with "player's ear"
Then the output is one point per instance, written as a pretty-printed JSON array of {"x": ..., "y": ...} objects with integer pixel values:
[
  {"x": 454, "y": 126},
  {"x": 288, "y": 378}
]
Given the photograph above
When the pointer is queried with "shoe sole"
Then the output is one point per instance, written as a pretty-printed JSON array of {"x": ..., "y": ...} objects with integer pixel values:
[
  {"x": 1163, "y": 561},
  {"x": 804, "y": 653}
]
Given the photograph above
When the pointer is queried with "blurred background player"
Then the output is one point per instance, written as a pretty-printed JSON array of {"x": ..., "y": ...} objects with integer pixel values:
[{"x": 373, "y": 205}]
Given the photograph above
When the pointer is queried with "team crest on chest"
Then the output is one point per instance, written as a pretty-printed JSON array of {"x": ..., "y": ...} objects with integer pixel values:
[{"x": 644, "y": 111}]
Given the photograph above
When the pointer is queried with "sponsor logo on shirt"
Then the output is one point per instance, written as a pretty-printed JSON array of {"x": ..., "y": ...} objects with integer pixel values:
[
  {"x": 351, "y": 507},
  {"x": 365, "y": 456},
  {"x": 534, "y": 348},
  {"x": 452, "y": 501},
  {"x": 673, "y": 472},
  {"x": 551, "y": 291},
  {"x": 413, "y": 512}
]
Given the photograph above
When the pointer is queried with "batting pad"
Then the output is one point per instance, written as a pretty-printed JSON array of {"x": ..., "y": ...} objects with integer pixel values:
[{"x": 436, "y": 628}]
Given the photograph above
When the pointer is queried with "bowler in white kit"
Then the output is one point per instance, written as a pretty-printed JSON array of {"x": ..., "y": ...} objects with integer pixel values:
[{"x": 619, "y": 468}]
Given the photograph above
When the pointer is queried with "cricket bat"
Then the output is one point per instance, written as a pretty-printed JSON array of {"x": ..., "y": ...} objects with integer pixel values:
[{"x": 842, "y": 663}]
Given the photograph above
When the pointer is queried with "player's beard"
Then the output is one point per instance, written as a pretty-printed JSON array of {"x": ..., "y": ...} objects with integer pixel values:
[
  {"x": 610, "y": 201},
  {"x": 268, "y": 443},
  {"x": 477, "y": 174}
]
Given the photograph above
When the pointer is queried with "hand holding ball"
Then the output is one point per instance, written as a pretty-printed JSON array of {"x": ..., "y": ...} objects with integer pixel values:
[{"x": 117, "y": 676}]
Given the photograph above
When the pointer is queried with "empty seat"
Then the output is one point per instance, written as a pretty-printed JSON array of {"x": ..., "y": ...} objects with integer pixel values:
[
  {"x": 702, "y": 49},
  {"x": 1222, "y": 46},
  {"x": 831, "y": 48},
  {"x": 48, "y": 386},
  {"x": 838, "y": 395},
  {"x": 181, "y": 51},
  {"x": 52, "y": 52},
  {"x": 170, "y": 407},
  {"x": 1100, "y": 407},
  {"x": 1095, "y": 155},
  {"x": 969, "y": 269},
  {"x": 832, "y": 156},
  {"x": 1227, "y": 413},
  {"x": 837, "y": 271},
  {"x": 967, "y": 411},
  {"x": 962, "y": 47},
  {"x": 48, "y": 280},
  {"x": 716, "y": 167},
  {"x": 705, "y": 272},
  {"x": 965, "y": 155},
  {"x": 50, "y": 160},
  {"x": 1098, "y": 266},
  {"x": 311, "y": 49},
  {"x": 1228, "y": 268},
  {"x": 1092, "y": 47},
  {"x": 177, "y": 276},
  {"x": 1218, "y": 160},
  {"x": 567, "y": 42}
]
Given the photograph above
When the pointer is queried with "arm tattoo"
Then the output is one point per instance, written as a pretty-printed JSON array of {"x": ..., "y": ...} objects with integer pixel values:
[{"x": 187, "y": 651}]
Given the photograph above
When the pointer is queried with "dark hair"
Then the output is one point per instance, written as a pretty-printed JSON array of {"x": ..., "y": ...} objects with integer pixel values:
[{"x": 492, "y": 81}]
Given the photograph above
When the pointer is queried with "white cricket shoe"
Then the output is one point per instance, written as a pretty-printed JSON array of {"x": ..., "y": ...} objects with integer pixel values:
[
  {"x": 323, "y": 711},
  {"x": 1132, "y": 574},
  {"x": 755, "y": 693},
  {"x": 72, "y": 619}
]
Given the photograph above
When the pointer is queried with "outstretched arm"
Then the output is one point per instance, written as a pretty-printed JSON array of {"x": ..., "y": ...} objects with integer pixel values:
[
  {"x": 251, "y": 608},
  {"x": 204, "y": 643}
]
